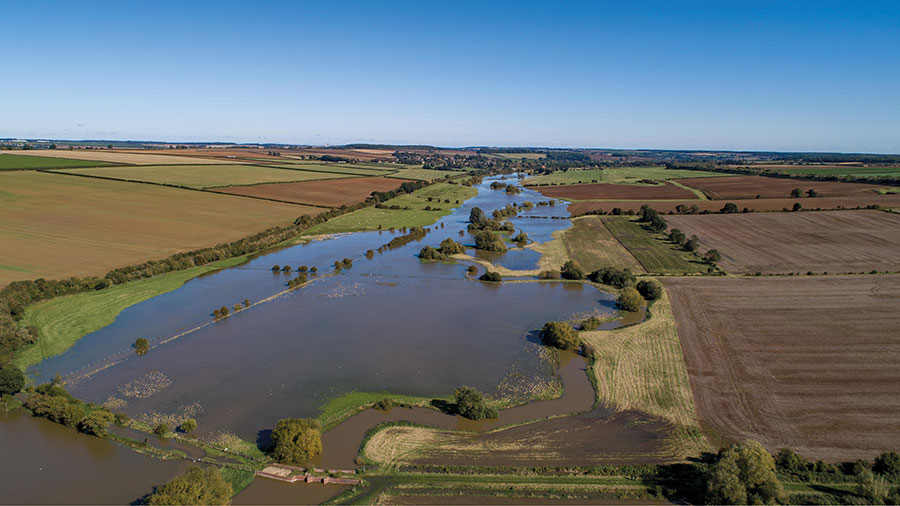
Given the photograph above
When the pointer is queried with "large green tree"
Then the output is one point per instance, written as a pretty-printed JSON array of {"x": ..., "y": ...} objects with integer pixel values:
[
  {"x": 559, "y": 335},
  {"x": 630, "y": 299},
  {"x": 471, "y": 404},
  {"x": 296, "y": 440},
  {"x": 196, "y": 486},
  {"x": 743, "y": 474},
  {"x": 11, "y": 379}
]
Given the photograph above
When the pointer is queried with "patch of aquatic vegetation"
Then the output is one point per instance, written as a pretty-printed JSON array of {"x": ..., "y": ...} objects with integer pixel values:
[
  {"x": 146, "y": 385},
  {"x": 604, "y": 315},
  {"x": 345, "y": 290},
  {"x": 525, "y": 382},
  {"x": 113, "y": 403},
  {"x": 231, "y": 443},
  {"x": 174, "y": 419}
]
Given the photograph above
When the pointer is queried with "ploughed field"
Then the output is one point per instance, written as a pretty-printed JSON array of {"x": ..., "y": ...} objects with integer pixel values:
[
  {"x": 328, "y": 193},
  {"x": 602, "y": 191},
  {"x": 161, "y": 157},
  {"x": 748, "y": 187},
  {"x": 807, "y": 363},
  {"x": 778, "y": 243},
  {"x": 58, "y": 225}
]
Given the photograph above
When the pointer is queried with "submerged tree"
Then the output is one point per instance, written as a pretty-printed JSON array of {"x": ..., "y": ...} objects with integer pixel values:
[{"x": 141, "y": 346}]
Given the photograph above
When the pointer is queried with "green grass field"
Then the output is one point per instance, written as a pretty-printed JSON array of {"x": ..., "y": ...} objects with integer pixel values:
[
  {"x": 64, "y": 320},
  {"x": 425, "y": 174},
  {"x": 618, "y": 175},
  {"x": 371, "y": 218},
  {"x": 204, "y": 176},
  {"x": 834, "y": 170},
  {"x": 654, "y": 253},
  {"x": 11, "y": 161},
  {"x": 592, "y": 246}
]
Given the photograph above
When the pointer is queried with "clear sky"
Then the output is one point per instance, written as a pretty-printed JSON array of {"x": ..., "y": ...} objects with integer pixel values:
[{"x": 796, "y": 75}]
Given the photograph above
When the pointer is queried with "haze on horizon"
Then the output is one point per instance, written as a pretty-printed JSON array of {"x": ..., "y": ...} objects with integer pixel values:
[{"x": 801, "y": 76}]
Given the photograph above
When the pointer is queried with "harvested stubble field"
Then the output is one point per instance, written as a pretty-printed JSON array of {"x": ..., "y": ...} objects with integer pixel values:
[
  {"x": 594, "y": 438},
  {"x": 779, "y": 243},
  {"x": 203, "y": 176},
  {"x": 757, "y": 205},
  {"x": 592, "y": 246},
  {"x": 807, "y": 363},
  {"x": 133, "y": 158},
  {"x": 329, "y": 193},
  {"x": 57, "y": 225},
  {"x": 338, "y": 168},
  {"x": 14, "y": 162},
  {"x": 654, "y": 253},
  {"x": 641, "y": 368},
  {"x": 748, "y": 187},
  {"x": 425, "y": 174},
  {"x": 602, "y": 191}
]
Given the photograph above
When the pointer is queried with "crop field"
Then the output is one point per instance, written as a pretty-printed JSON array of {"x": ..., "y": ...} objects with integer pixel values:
[
  {"x": 654, "y": 253},
  {"x": 592, "y": 245},
  {"x": 57, "y": 225},
  {"x": 886, "y": 201},
  {"x": 616, "y": 175},
  {"x": 748, "y": 187},
  {"x": 666, "y": 191},
  {"x": 338, "y": 168},
  {"x": 807, "y": 363},
  {"x": 329, "y": 193},
  {"x": 517, "y": 156},
  {"x": 425, "y": 174},
  {"x": 371, "y": 218},
  {"x": 831, "y": 170},
  {"x": 11, "y": 162},
  {"x": 777, "y": 243},
  {"x": 593, "y": 438},
  {"x": 361, "y": 154},
  {"x": 126, "y": 157},
  {"x": 641, "y": 368},
  {"x": 203, "y": 176}
]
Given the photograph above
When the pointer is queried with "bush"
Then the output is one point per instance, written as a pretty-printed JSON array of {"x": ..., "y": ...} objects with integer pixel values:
[
  {"x": 383, "y": 405},
  {"x": 591, "y": 323},
  {"x": 471, "y": 270},
  {"x": 161, "y": 429},
  {"x": 470, "y": 403},
  {"x": 559, "y": 335},
  {"x": 649, "y": 290},
  {"x": 188, "y": 426},
  {"x": 196, "y": 486},
  {"x": 743, "y": 474},
  {"x": 571, "y": 270},
  {"x": 613, "y": 277},
  {"x": 712, "y": 256},
  {"x": 488, "y": 241},
  {"x": 141, "y": 346},
  {"x": 491, "y": 276},
  {"x": 451, "y": 247},
  {"x": 630, "y": 300},
  {"x": 874, "y": 489},
  {"x": 887, "y": 464},
  {"x": 11, "y": 379},
  {"x": 296, "y": 440},
  {"x": 429, "y": 253},
  {"x": 96, "y": 422},
  {"x": 549, "y": 275},
  {"x": 121, "y": 419}
]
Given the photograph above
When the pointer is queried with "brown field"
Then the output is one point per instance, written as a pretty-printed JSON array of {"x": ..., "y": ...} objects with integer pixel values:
[
  {"x": 748, "y": 187},
  {"x": 130, "y": 157},
  {"x": 56, "y": 225},
  {"x": 759, "y": 205},
  {"x": 215, "y": 153},
  {"x": 774, "y": 243},
  {"x": 808, "y": 363},
  {"x": 601, "y": 191},
  {"x": 361, "y": 154},
  {"x": 330, "y": 193}
]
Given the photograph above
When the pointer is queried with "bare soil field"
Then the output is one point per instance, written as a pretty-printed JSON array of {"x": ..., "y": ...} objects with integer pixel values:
[
  {"x": 748, "y": 187},
  {"x": 57, "y": 225},
  {"x": 602, "y": 191},
  {"x": 330, "y": 193},
  {"x": 204, "y": 176},
  {"x": 759, "y": 205},
  {"x": 777, "y": 243},
  {"x": 361, "y": 154},
  {"x": 129, "y": 157},
  {"x": 808, "y": 363}
]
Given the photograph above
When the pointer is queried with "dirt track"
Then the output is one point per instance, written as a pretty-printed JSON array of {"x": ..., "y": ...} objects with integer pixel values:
[
  {"x": 808, "y": 363},
  {"x": 778, "y": 243}
]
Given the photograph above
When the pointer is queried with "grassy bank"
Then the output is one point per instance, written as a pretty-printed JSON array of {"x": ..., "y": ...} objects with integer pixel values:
[
  {"x": 371, "y": 218},
  {"x": 654, "y": 253},
  {"x": 593, "y": 246},
  {"x": 641, "y": 367},
  {"x": 343, "y": 407},
  {"x": 64, "y": 320}
]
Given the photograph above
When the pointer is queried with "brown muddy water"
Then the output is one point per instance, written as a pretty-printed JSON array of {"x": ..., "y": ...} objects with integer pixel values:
[
  {"x": 46, "y": 463},
  {"x": 263, "y": 491}
]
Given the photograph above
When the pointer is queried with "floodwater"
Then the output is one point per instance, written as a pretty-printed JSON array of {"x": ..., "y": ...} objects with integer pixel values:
[
  {"x": 47, "y": 463},
  {"x": 391, "y": 323},
  {"x": 264, "y": 491}
]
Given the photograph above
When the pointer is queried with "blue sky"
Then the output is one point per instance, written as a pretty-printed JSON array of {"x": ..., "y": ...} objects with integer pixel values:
[{"x": 756, "y": 75}]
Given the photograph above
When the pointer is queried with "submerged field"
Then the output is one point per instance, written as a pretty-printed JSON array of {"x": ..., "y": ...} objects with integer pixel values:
[
  {"x": 779, "y": 243},
  {"x": 57, "y": 225},
  {"x": 806, "y": 363}
]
